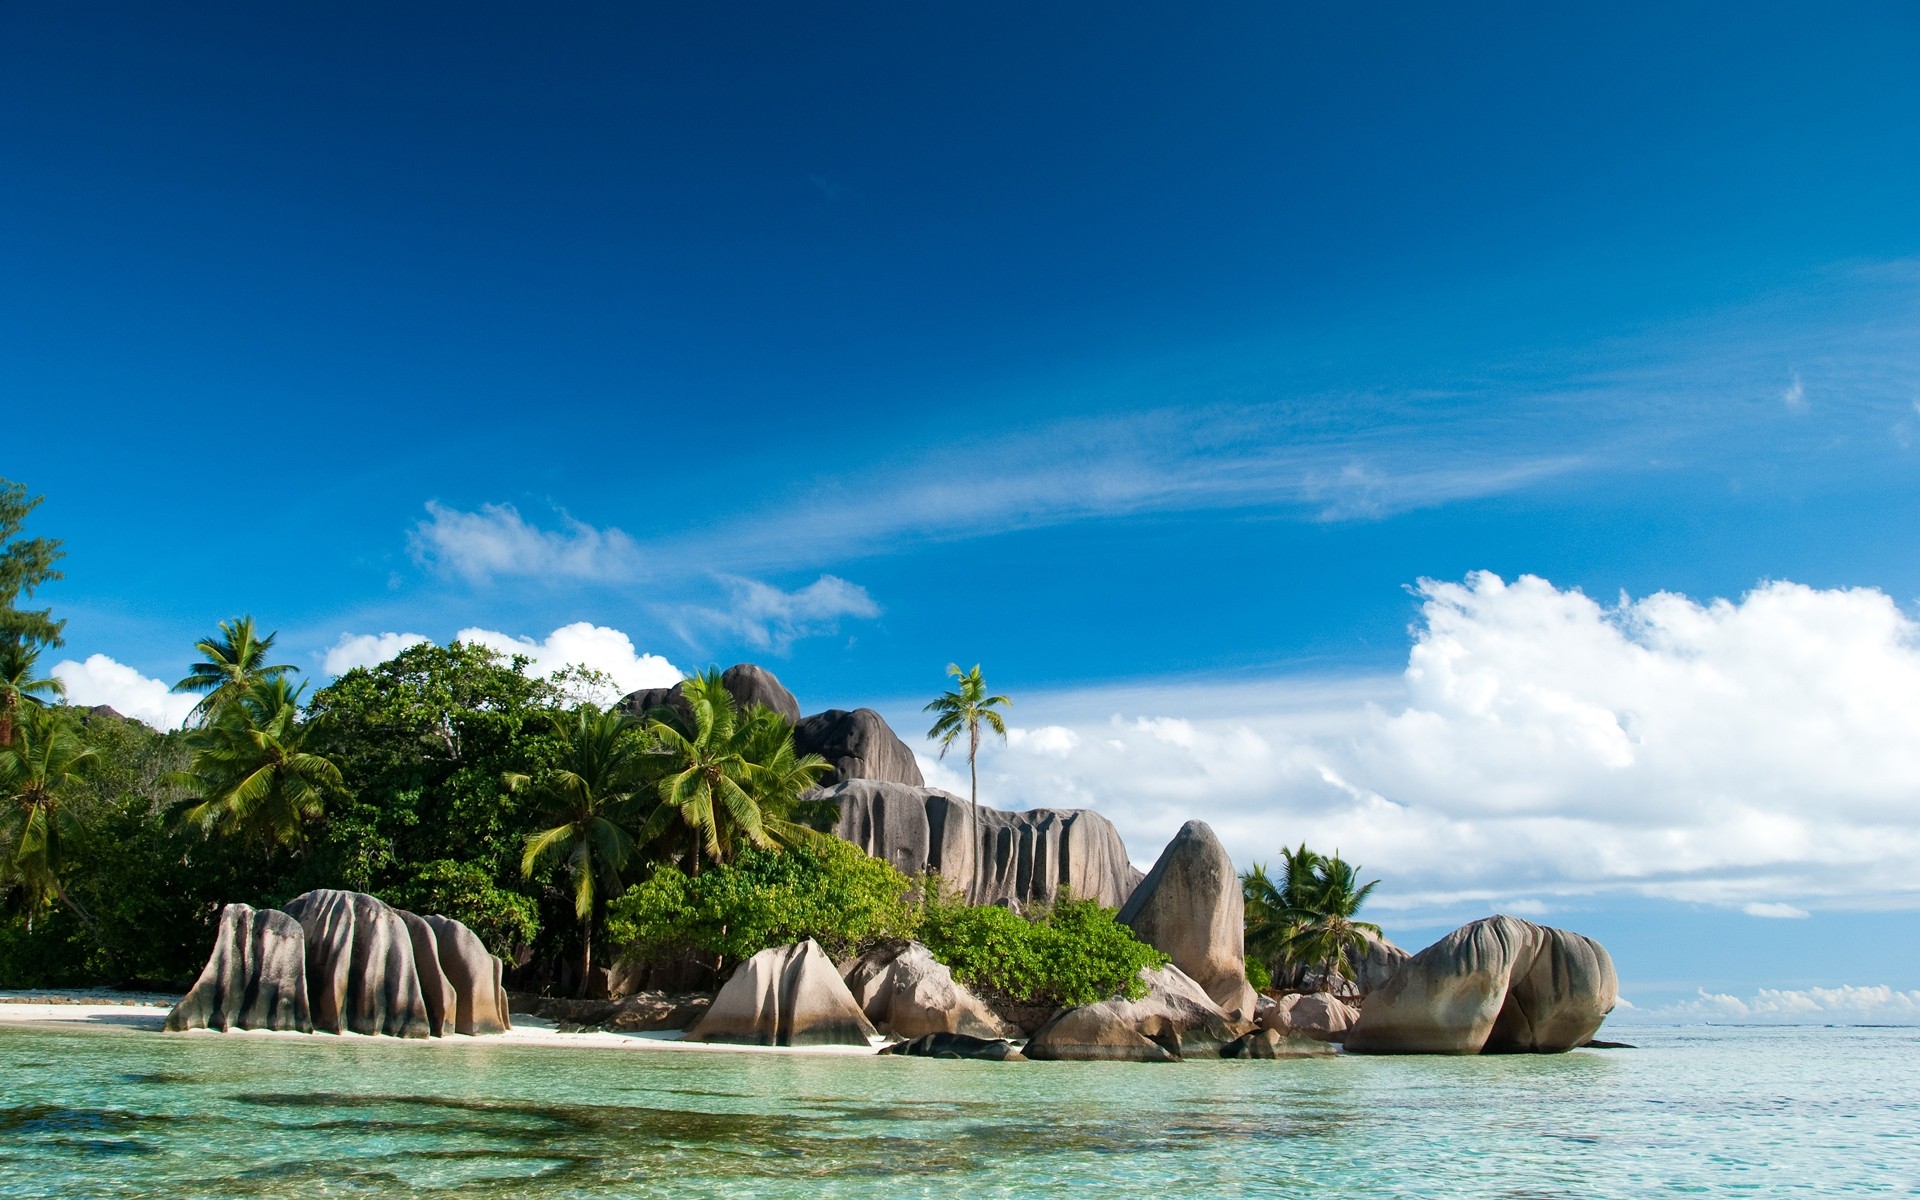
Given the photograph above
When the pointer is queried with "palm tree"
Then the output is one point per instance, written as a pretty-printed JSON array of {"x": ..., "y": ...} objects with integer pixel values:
[
  {"x": 725, "y": 779},
  {"x": 1307, "y": 919},
  {"x": 965, "y": 709},
  {"x": 587, "y": 799},
  {"x": 18, "y": 658},
  {"x": 250, "y": 774},
  {"x": 235, "y": 660},
  {"x": 44, "y": 759}
]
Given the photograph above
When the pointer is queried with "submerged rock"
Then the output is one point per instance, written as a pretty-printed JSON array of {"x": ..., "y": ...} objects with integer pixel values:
[
  {"x": 858, "y": 745},
  {"x": 904, "y": 991},
  {"x": 256, "y": 977},
  {"x": 1176, "y": 1018},
  {"x": 1190, "y": 908},
  {"x": 361, "y": 976},
  {"x": 1495, "y": 986},
  {"x": 1271, "y": 1043},
  {"x": 1314, "y": 1014},
  {"x": 991, "y": 857},
  {"x": 957, "y": 1045},
  {"x": 785, "y": 996}
]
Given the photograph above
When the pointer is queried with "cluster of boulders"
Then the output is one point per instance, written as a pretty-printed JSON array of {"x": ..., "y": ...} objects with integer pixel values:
[{"x": 345, "y": 962}]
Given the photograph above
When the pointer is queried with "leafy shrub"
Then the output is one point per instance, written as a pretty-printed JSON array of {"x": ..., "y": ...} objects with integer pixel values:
[
  {"x": 1258, "y": 976},
  {"x": 825, "y": 888},
  {"x": 1075, "y": 952},
  {"x": 504, "y": 920}
]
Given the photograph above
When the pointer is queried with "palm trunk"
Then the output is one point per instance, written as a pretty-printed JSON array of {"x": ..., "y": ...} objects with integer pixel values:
[
  {"x": 973, "y": 755},
  {"x": 586, "y": 958}
]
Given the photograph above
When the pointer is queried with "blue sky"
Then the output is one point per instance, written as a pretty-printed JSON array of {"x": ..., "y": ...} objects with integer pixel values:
[{"x": 1149, "y": 359}]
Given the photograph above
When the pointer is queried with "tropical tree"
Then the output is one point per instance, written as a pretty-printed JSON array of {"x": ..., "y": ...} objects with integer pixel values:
[
  {"x": 25, "y": 564},
  {"x": 586, "y": 802},
  {"x": 236, "y": 659},
  {"x": 726, "y": 778},
  {"x": 1307, "y": 918},
  {"x": 18, "y": 660},
  {"x": 39, "y": 768},
  {"x": 251, "y": 775},
  {"x": 964, "y": 710}
]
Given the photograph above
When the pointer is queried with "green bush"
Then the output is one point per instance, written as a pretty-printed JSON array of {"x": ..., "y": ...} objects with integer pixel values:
[
  {"x": 1258, "y": 976},
  {"x": 826, "y": 889},
  {"x": 1075, "y": 952},
  {"x": 504, "y": 920}
]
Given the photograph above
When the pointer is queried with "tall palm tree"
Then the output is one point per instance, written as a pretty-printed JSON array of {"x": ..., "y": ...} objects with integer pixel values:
[
  {"x": 18, "y": 659},
  {"x": 43, "y": 761},
  {"x": 250, "y": 775},
  {"x": 588, "y": 798},
  {"x": 235, "y": 660},
  {"x": 1307, "y": 919},
  {"x": 966, "y": 709},
  {"x": 726, "y": 778}
]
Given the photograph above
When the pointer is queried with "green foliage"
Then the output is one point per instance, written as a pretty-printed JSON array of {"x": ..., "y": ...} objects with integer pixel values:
[
  {"x": 964, "y": 710},
  {"x": 251, "y": 776},
  {"x": 1305, "y": 920},
  {"x": 504, "y": 920},
  {"x": 230, "y": 665},
  {"x": 1075, "y": 952},
  {"x": 1258, "y": 976},
  {"x": 25, "y": 564},
  {"x": 39, "y": 774},
  {"x": 826, "y": 889}
]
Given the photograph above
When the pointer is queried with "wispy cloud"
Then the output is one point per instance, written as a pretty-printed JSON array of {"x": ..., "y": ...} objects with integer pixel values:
[
  {"x": 497, "y": 541},
  {"x": 1845, "y": 1004},
  {"x": 768, "y": 618}
]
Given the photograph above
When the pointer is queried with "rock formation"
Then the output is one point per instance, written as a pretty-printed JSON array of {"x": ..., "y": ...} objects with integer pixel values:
[
  {"x": 751, "y": 685},
  {"x": 1176, "y": 1018},
  {"x": 859, "y": 745},
  {"x": 1269, "y": 1043},
  {"x": 992, "y": 857},
  {"x": 1495, "y": 986},
  {"x": 1190, "y": 908},
  {"x": 1315, "y": 1015},
  {"x": 785, "y": 996},
  {"x": 906, "y": 992},
  {"x": 957, "y": 1045},
  {"x": 340, "y": 962},
  {"x": 256, "y": 977}
]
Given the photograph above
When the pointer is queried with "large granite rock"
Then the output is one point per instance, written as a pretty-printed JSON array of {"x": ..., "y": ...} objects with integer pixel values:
[
  {"x": 751, "y": 685},
  {"x": 1316, "y": 1015},
  {"x": 1175, "y": 1019},
  {"x": 361, "y": 976},
  {"x": 785, "y": 996},
  {"x": 858, "y": 745},
  {"x": 256, "y": 977},
  {"x": 478, "y": 1001},
  {"x": 436, "y": 990},
  {"x": 906, "y": 992},
  {"x": 1190, "y": 908},
  {"x": 1498, "y": 985},
  {"x": 992, "y": 857}
]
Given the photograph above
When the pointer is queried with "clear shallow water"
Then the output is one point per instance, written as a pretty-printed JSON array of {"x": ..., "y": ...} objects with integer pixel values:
[{"x": 114, "y": 1112}]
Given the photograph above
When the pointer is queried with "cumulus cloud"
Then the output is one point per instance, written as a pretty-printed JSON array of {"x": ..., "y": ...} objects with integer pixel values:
[
  {"x": 497, "y": 541},
  {"x": 367, "y": 650},
  {"x": 768, "y": 618},
  {"x": 1847, "y": 1004},
  {"x": 1754, "y": 754},
  {"x": 101, "y": 680},
  {"x": 584, "y": 644}
]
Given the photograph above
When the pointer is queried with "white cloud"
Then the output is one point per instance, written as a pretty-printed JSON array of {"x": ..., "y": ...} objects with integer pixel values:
[
  {"x": 1775, "y": 911},
  {"x": 1847, "y": 1004},
  {"x": 498, "y": 541},
  {"x": 101, "y": 680},
  {"x": 367, "y": 650},
  {"x": 1054, "y": 741},
  {"x": 1757, "y": 752},
  {"x": 767, "y": 618},
  {"x": 1795, "y": 397},
  {"x": 583, "y": 644}
]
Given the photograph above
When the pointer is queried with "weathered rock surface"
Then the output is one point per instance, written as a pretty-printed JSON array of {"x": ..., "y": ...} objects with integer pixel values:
[
  {"x": 1190, "y": 908},
  {"x": 1371, "y": 970},
  {"x": 859, "y": 745},
  {"x": 992, "y": 857},
  {"x": 361, "y": 976},
  {"x": 256, "y": 977},
  {"x": 1498, "y": 985},
  {"x": 1270, "y": 1043},
  {"x": 785, "y": 996},
  {"x": 436, "y": 991},
  {"x": 1176, "y": 1018},
  {"x": 746, "y": 683},
  {"x": 906, "y": 992},
  {"x": 1314, "y": 1014},
  {"x": 957, "y": 1045},
  {"x": 478, "y": 1004}
]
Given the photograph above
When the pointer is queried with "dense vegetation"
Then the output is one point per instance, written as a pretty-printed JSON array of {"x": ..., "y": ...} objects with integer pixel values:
[{"x": 449, "y": 780}]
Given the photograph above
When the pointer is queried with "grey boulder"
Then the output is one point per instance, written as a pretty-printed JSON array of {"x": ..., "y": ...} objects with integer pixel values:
[
  {"x": 746, "y": 683},
  {"x": 361, "y": 976},
  {"x": 906, "y": 992},
  {"x": 1175, "y": 1019},
  {"x": 1315, "y": 1015},
  {"x": 857, "y": 745},
  {"x": 1271, "y": 1043},
  {"x": 478, "y": 1003},
  {"x": 256, "y": 977},
  {"x": 989, "y": 856},
  {"x": 1496, "y": 986},
  {"x": 957, "y": 1045},
  {"x": 1191, "y": 909},
  {"x": 785, "y": 996}
]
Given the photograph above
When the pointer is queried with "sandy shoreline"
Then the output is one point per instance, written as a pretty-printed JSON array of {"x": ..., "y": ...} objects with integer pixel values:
[{"x": 149, "y": 1011}]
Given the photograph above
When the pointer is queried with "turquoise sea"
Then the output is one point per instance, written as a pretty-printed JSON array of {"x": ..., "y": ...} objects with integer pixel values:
[{"x": 1691, "y": 1111}]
